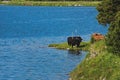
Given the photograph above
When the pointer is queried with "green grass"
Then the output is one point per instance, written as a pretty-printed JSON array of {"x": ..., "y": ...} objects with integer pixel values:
[
  {"x": 83, "y": 46},
  {"x": 52, "y": 3},
  {"x": 98, "y": 65}
]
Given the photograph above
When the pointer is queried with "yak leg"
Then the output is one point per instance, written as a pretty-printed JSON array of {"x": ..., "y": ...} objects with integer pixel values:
[
  {"x": 77, "y": 45},
  {"x": 72, "y": 46}
]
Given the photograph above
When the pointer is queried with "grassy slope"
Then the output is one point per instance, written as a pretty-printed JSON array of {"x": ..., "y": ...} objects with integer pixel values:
[
  {"x": 98, "y": 65},
  {"x": 53, "y": 3}
]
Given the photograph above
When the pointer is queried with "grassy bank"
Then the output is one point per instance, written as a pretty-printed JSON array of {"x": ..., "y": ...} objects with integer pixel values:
[
  {"x": 51, "y": 3},
  {"x": 65, "y": 46},
  {"x": 98, "y": 65}
]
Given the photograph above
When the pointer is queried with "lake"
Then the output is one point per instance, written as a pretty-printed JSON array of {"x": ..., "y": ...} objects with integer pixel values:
[{"x": 26, "y": 31}]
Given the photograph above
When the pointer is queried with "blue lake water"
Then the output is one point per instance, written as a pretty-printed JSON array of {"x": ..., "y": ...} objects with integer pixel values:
[{"x": 26, "y": 31}]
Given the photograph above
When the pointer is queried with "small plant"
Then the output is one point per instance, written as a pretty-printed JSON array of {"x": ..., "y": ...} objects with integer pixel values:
[{"x": 92, "y": 40}]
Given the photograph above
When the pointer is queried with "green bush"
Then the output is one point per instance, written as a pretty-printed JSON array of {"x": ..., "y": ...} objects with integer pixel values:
[
  {"x": 113, "y": 36},
  {"x": 109, "y": 13}
]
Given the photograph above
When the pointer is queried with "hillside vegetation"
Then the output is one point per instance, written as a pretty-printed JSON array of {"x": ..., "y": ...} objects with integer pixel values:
[
  {"x": 51, "y": 3},
  {"x": 98, "y": 65}
]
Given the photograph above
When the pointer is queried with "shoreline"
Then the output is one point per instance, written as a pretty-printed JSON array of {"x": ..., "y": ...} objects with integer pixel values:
[
  {"x": 84, "y": 46},
  {"x": 51, "y": 3},
  {"x": 99, "y": 63}
]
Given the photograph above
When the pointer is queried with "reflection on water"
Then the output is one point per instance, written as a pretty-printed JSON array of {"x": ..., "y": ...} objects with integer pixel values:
[{"x": 77, "y": 52}]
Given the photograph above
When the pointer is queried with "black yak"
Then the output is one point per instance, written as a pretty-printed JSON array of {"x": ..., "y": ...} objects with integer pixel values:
[{"x": 72, "y": 41}]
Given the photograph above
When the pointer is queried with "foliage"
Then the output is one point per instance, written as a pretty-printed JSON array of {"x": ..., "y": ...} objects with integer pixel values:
[
  {"x": 107, "y": 11},
  {"x": 17, "y": 0},
  {"x": 64, "y": 0},
  {"x": 52, "y": 3},
  {"x": 109, "y": 14},
  {"x": 102, "y": 66},
  {"x": 113, "y": 41}
]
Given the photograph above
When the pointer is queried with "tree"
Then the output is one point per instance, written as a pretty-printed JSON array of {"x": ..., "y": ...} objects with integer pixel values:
[
  {"x": 113, "y": 36},
  {"x": 109, "y": 13}
]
